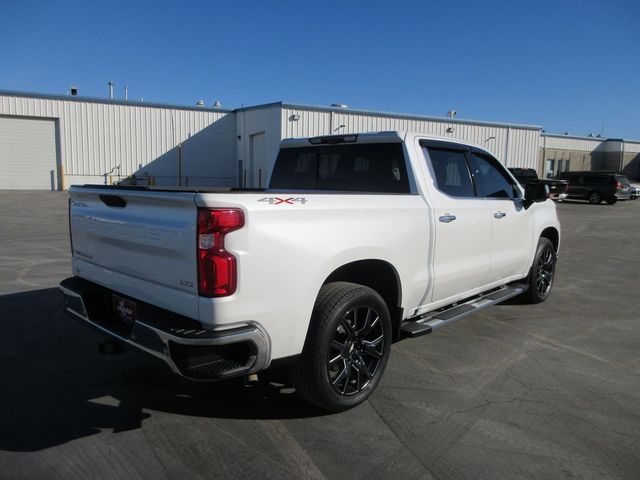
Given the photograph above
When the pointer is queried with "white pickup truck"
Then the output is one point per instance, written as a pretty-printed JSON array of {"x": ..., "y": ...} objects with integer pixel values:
[{"x": 360, "y": 240}]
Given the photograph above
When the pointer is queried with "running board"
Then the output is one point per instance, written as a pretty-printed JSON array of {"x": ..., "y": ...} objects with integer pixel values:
[{"x": 426, "y": 323}]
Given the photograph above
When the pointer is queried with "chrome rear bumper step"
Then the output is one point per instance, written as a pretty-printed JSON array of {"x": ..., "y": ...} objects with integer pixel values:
[
  {"x": 424, "y": 324},
  {"x": 183, "y": 344}
]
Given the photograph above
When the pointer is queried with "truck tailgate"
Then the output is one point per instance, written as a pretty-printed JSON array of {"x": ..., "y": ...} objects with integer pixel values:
[{"x": 141, "y": 243}]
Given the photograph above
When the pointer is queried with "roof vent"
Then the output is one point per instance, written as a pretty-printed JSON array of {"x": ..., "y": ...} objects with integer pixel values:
[{"x": 339, "y": 105}]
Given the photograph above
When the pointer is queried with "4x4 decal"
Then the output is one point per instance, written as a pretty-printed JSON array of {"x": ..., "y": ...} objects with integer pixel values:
[{"x": 281, "y": 201}]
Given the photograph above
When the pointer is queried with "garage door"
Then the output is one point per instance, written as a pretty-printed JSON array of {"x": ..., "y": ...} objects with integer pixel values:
[{"x": 27, "y": 154}]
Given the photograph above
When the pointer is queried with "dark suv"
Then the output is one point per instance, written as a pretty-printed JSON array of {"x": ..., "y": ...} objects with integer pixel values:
[{"x": 597, "y": 186}]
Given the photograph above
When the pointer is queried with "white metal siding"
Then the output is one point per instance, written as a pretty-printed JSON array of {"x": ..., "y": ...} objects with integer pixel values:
[
  {"x": 523, "y": 148},
  {"x": 569, "y": 143},
  {"x": 632, "y": 147},
  {"x": 522, "y": 143},
  {"x": 27, "y": 154},
  {"x": 256, "y": 121},
  {"x": 209, "y": 156},
  {"x": 96, "y": 137},
  {"x": 205, "y": 146},
  {"x": 611, "y": 146}
]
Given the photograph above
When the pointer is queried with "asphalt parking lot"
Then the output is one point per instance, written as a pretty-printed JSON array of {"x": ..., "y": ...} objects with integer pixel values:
[{"x": 546, "y": 391}]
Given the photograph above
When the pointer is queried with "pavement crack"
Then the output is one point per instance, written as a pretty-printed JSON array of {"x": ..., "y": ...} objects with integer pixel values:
[
  {"x": 485, "y": 403},
  {"x": 406, "y": 445}
]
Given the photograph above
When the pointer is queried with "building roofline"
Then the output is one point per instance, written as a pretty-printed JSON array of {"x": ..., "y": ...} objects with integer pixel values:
[
  {"x": 577, "y": 137},
  {"x": 582, "y": 137},
  {"x": 407, "y": 116},
  {"x": 262, "y": 106},
  {"x": 108, "y": 101},
  {"x": 45, "y": 96}
]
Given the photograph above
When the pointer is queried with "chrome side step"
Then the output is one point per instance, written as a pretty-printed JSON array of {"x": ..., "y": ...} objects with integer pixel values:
[{"x": 424, "y": 324}]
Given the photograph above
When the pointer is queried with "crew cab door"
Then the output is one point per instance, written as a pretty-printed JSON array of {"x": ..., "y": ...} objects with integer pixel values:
[
  {"x": 461, "y": 259},
  {"x": 511, "y": 224}
]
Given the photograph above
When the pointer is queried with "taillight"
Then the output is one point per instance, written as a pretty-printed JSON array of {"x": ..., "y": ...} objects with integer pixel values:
[
  {"x": 619, "y": 185},
  {"x": 217, "y": 273}
]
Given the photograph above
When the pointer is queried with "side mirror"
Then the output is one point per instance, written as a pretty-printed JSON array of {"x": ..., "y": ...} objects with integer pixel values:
[{"x": 534, "y": 193}]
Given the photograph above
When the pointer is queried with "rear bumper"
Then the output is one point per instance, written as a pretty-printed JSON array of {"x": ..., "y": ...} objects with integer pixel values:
[
  {"x": 188, "y": 349},
  {"x": 623, "y": 196}
]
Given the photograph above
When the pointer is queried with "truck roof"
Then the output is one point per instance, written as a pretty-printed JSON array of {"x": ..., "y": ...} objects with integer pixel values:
[
  {"x": 368, "y": 137},
  {"x": 371, "y": 137}
]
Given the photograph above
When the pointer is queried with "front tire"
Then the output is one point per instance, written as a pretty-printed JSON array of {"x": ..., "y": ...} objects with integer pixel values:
[
  {"x": 542, "y": 272},
  {"x": 346, "y": 349}
]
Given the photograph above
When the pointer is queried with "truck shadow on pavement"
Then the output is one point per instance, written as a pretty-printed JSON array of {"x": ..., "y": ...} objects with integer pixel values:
[{"x": 56, "y": 387}]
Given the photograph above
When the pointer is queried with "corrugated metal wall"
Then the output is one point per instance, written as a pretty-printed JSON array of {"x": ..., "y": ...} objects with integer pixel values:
[
  {"x": 207, "y": 147},
  {"x": 632, "y": 147},
  {"x": 95, "y": 137},
  {"x": 570, "y": 143},
  {"x": 252, "y": 122},
  {"x": 523, "y": 148},
  {"x": 562, "y": 142},
  {"x": 517, "y": 146}
]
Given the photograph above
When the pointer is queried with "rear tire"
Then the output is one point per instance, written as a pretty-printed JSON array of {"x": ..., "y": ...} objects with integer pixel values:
[
  {"x": 346, "y": 349},
  {"x": 595, "y": 198},
  {"x": 611, "y": 201},
  {"x": 542, "y": 272}
]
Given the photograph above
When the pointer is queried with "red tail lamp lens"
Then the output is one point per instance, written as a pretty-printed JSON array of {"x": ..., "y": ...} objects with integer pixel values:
[{"x": 217, "y": 272}]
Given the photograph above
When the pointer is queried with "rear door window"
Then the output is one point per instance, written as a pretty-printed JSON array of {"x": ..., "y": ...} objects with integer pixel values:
[{"x": 451, "y": 172}]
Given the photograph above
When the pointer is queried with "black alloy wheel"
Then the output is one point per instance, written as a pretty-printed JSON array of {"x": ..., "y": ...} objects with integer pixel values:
[
  {"x": 595, "y": 198},
  {"x": 542, "y": 273},
  {"x": 346, "y": 349},
  {"x": 356, "y": 351},
  {"x": 545, "y": 270}
]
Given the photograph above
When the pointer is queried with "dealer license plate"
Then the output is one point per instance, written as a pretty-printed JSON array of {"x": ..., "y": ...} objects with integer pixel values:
[{"x": 123, "y": 308}]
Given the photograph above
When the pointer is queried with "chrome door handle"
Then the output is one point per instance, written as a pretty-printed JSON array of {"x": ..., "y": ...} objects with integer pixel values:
[
  {"x": 447, "y": 218},
  {"x": 499, "y": 215}
]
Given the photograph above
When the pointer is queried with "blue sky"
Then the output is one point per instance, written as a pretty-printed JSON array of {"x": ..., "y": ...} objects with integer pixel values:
[{"x": 568, "y": 66}]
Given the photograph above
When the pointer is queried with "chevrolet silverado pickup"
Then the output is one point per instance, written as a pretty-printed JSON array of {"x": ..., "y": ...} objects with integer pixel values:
[{"x": 359, "y": 241}]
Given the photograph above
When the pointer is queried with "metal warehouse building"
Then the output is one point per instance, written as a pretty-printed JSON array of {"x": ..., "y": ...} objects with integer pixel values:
[
  {"x": 563, "y": 153},
  {"x": 51, "y": 142}
]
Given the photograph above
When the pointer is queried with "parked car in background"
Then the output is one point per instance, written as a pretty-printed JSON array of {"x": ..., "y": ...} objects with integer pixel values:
[
  {"x": 596, "y": 186},
  {"x": 635, "y": 191},
  {"x": 557, "y": 188}
]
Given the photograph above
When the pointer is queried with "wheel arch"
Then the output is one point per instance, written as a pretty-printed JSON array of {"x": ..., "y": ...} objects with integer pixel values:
[
  {"x": 379, "y": 275},
  {"x": 552, "y": 234}
]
